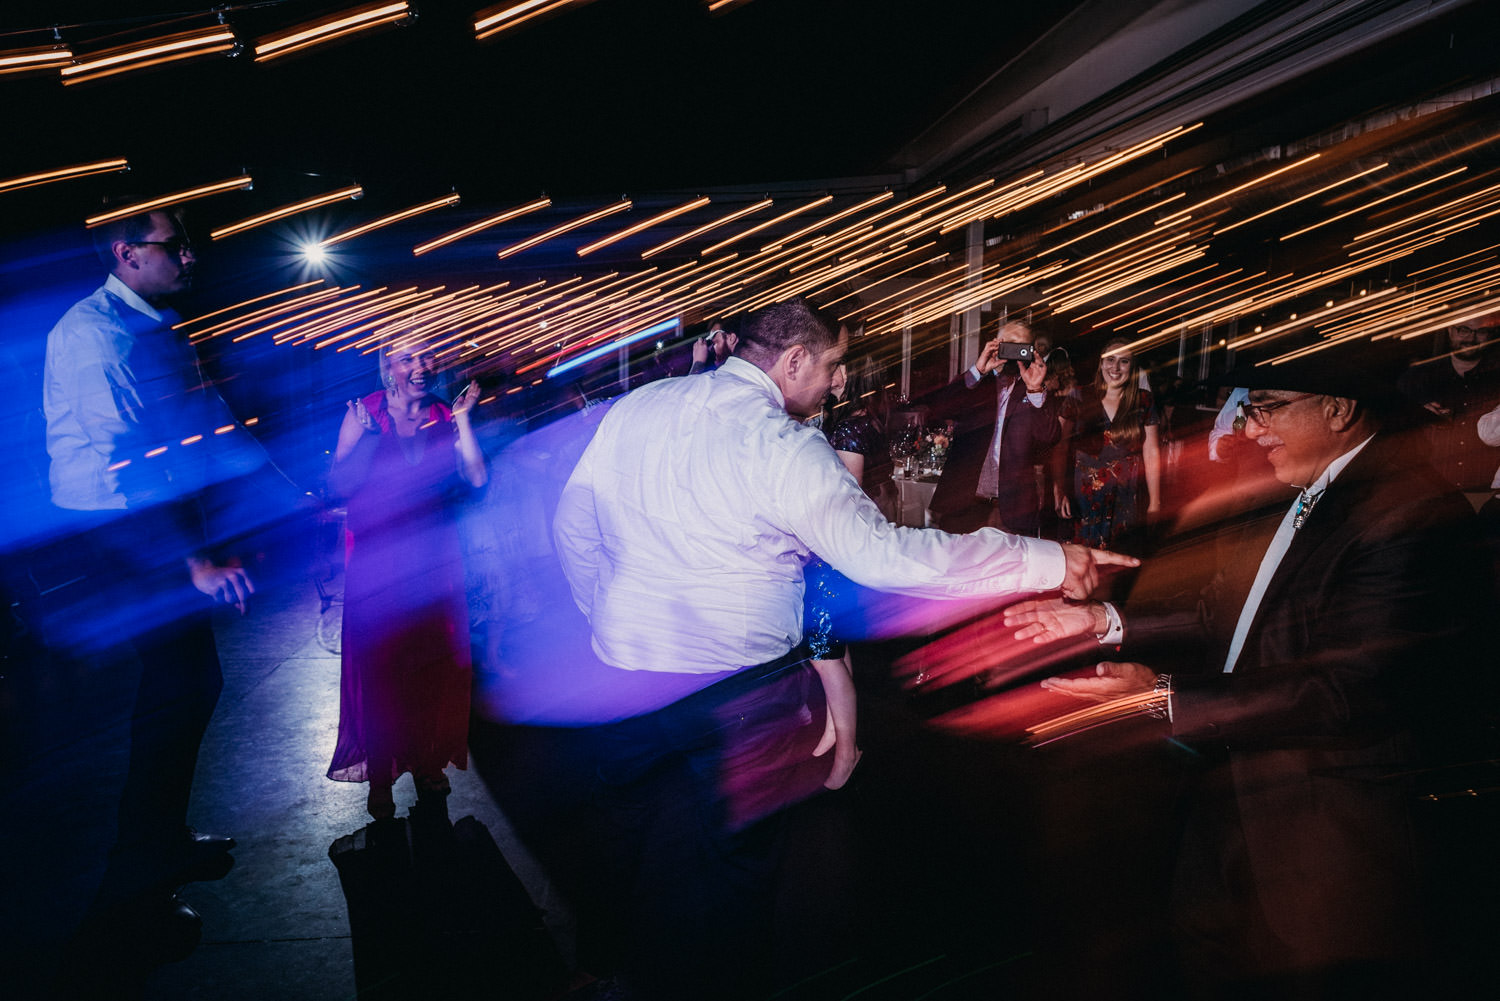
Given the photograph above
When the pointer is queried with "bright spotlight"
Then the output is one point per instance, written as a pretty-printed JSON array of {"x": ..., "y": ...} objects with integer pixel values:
[{"x": 314, "y": 253}]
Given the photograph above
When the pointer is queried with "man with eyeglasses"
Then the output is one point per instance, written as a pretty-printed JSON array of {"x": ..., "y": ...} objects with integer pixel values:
[
  {"x": 1311, "y": 675},
  {"x": 132, "y": 431},
  {"x": 1456, "y": 387}
]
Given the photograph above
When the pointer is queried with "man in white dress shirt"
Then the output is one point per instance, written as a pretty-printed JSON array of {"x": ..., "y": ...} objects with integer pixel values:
[
  {"x": 133, "y": 435},
  {"x": 683, "y": 532}
]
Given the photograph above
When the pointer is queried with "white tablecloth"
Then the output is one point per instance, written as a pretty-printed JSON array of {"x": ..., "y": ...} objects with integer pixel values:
[{"x": 914, "y": 497}]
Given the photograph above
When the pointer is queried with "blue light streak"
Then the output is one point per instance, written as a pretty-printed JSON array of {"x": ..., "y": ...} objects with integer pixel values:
[{"x": 605, "y": 349}]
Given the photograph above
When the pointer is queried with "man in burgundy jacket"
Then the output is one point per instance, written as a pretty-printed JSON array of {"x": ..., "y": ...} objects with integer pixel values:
[{"x": 1002, "y": 428}]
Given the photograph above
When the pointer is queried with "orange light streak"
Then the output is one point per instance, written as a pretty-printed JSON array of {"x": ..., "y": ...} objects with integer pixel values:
[
  {"x": 486, "y": 223},
  {"x": 1302, "y": 198},
  {"x": 269, "y": 311},
  {"x": 248, "y": 302},
  {"x": 63, "y": 174},
  {"x": 706, "y": 227},
  {"x": 1445, "y": 207},
  {"x": 205, "y": 41},
  {"x": 558, "y": 230},
  {"x": 1378, "y": 201},
  {"x": 313, "y": 310},
  {"x": 1148, "y": 291},
  {"x": 318, "y": 201},
  {"x": 1453, "y": 260},
  {"x": 769, "y": 223},
  {"x": 1180, "y": 307},
  {"x": 493, "y": 20},
  {"x": 329, "y": 29},
  {"x": 176, "y": 198},
  {"x": 34, "y": 60},
  {"x": 1243, "y": 187},
  {"x": 1308, "y": 319},
  {"x": 394, "y": 217},
  {"x": 672, "y": 213},
  {"x": 1095, "y": 232},
  {"x": 408, "y": 303},
  {"x": 413, "y": 304},
  {"x": 344, "y": 309},
  {"x": 890, "y": 277},
  {"x": 1082, "y": 296},
  {"x": 884, "y": 196}
]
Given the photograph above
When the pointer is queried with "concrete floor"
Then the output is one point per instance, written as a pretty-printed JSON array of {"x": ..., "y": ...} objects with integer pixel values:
[
  {"x": 276, "y": 926},
  {"x": 975, "y": 870}
]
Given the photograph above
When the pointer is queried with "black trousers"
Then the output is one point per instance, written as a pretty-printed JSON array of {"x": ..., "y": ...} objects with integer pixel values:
[
  {"x": 664, "y": 830},
  {"x": 133, "y": 606}
]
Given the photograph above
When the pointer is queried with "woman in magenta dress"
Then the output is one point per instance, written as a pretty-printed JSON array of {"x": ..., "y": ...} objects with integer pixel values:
[{"x": 403, "y": 459}]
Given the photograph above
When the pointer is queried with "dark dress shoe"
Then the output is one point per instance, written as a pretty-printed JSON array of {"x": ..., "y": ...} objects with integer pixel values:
[
  {"x": 175, "y": 931},
  {"x": 201, "y": 858}
]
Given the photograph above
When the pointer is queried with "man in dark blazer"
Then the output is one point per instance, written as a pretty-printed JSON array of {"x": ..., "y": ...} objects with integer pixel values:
[
  {"x": 1002, "y": 429},
  {"x": 1318, "y": 658}
]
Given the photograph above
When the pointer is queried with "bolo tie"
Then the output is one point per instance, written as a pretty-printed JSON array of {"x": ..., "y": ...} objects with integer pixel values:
[{"x": 1305, "y": 502}]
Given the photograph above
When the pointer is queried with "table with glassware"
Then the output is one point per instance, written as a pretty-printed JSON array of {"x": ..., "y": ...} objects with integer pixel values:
[{"x": 917, "y": 454}]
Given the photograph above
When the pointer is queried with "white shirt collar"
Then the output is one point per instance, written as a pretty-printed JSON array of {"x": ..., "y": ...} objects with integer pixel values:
[
  {"x": 130, "y": 297},
  {"x": 742, "y": 369}
]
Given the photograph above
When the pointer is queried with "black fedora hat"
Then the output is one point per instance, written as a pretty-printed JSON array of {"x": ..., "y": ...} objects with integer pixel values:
[{"x": 1362, "y": 371}]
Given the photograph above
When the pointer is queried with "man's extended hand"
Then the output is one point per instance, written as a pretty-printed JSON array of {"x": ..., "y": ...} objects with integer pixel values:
[
  {"x": 1111, "y": 681},
  {"x": 1081, "y": 574},
  {"x": 230, "y": 585},
  {"x": 700, "y": 350},
  {"x": 1048, "y": 620}
]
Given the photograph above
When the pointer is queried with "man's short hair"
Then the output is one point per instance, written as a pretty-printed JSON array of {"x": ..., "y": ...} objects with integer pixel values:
[
  {"x": 131, "y": 229},
  {"x": 768, "y": 332}
]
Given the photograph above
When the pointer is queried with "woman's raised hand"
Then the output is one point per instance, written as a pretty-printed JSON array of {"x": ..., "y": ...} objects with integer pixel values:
[{"x": 465, "y": 401}]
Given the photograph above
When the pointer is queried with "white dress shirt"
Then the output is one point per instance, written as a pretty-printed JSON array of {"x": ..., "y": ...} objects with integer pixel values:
[
  {"x": 685, "y": 526},
  {"x": 130, "y": 421}
]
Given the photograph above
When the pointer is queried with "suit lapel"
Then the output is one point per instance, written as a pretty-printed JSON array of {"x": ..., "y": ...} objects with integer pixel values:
[{"x": 1330, "y": 517}]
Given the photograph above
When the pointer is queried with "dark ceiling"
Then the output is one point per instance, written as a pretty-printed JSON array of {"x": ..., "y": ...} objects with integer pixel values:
[
  {"x": 616, "y": 96},
  {"x": 660, "y": 100}
]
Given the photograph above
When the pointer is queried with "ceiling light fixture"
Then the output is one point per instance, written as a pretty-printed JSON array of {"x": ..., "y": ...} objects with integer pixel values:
[
  {"x": 672, "y": 213},
  {"x": 486, "y": 223},
  {"x": 245, "y": 182},
  {"x": 547, "y": 234},
  {"x": 353, "y": 191},
  {"x": 493, "y": 20},
  {"x": 213, "y": 39},
  {"x": 815, "y": 203},
  {"x": 722, "y": 221},
  {"x": 63, "y": 174},
  {"x": 35, "y": 60},
  {"x": 394, "y": 217},
  {"x": 329, "y": 29}
]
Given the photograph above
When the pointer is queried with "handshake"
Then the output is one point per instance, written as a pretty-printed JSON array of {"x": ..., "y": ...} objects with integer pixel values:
[{"x": 1081, "y": 573}]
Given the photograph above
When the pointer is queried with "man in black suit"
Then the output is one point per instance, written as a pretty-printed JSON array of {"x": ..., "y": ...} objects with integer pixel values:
[
  {"x": 989, "y": 477},
  {"x": 1318, "y": 658}
]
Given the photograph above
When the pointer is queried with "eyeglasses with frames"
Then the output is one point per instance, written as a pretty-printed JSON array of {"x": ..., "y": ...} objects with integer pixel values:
[
  {"x": 1261, "y": 413},
  {"x": 177, "y": 246}
]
